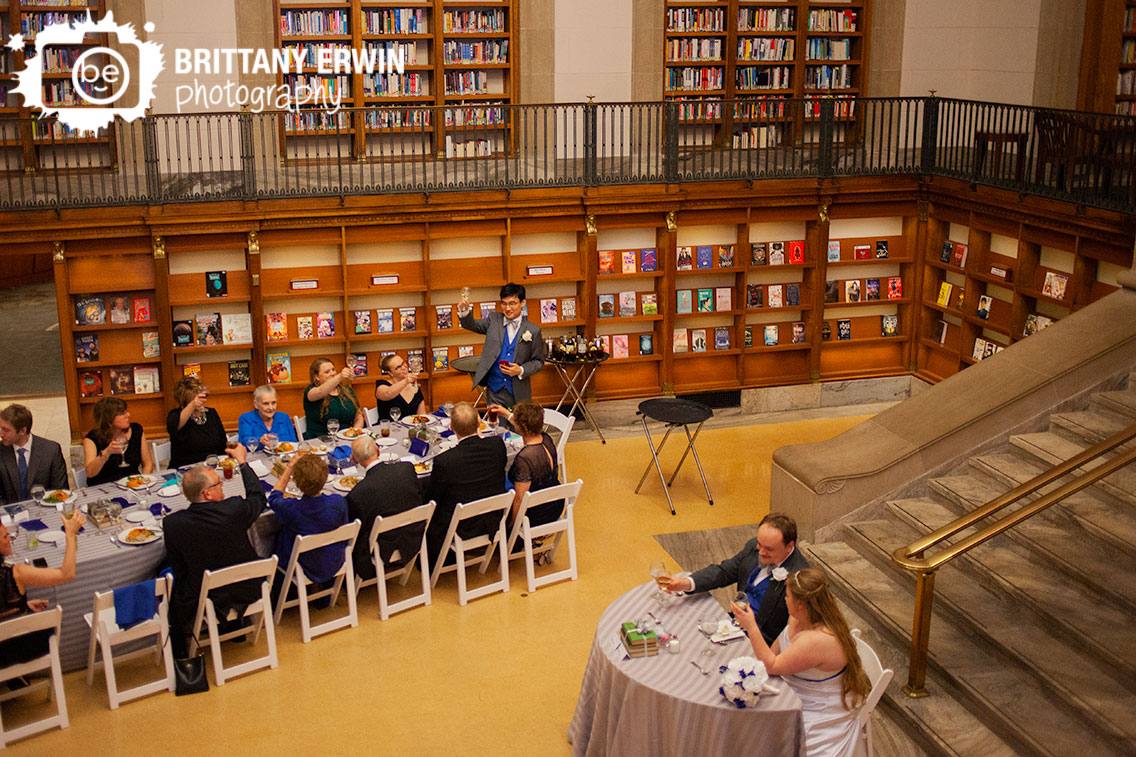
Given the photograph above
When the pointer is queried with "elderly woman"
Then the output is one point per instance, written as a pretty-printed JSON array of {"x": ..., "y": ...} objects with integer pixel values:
[
  {"x": 115, "y": 447},
  {"x": 14, "y": 602},
  {"x": 402, "y": 391},
  {"x": 534, "y": 468},
  {"x": 312, "y": 513},
  {"x": 330, "y": 396},
  {"x": 265, "y": 419},
  {"x": 196, "y": 431}
]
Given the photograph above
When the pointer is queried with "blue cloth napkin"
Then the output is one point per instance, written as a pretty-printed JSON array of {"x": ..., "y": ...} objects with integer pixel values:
[
  {"x": 122, "y": 501},
  {"x": 419, "y": 447},
  {"x": 267, "y": 486},
  {"x": 446, "y": 434},
  {"x": 157, "y": 509},
  {"x": 439, "y": 413},
  {"x": 342, "y": 452},
  {"x": 33, "y": 525},
  {"x": 134, "y": 604}
]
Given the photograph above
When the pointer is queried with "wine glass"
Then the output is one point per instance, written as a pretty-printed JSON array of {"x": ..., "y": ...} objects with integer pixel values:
[
  {"x": 123, "y": 441},
  {"x": 270, "y": 441},
  {"x": 114, "y": 512},
  {"x": 250, "y": 443},
  {"x": 37, "y": 491},
  {"x": 332, "y": 426},
  {"x": 395, "y": 414},
  {"x": 68, "y": 509}
]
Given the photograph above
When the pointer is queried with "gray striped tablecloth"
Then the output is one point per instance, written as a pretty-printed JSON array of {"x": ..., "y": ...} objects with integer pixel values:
[{"x": 663, "y": 705}]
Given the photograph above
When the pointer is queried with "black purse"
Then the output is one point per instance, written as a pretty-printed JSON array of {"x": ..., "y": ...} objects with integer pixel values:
[{"x": 189, "y": 673}]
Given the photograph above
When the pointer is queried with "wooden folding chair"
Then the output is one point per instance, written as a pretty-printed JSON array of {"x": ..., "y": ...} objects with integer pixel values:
[
  {"x": 260, "y": 610},
  {"x": 294, "y": 576},
  {"x": 563, "y": 527},
  {"x": 497, "y": 503},
  {"x": 420, "y": 514},
  {"x": 21, "y": 626}
]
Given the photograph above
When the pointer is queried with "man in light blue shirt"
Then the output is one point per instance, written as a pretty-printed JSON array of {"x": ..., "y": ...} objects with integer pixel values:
[{"x": 265, "y": 419}]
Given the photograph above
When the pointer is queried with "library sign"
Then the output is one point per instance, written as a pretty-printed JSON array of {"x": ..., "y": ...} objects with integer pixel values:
[{"x": 107, "y": 83}]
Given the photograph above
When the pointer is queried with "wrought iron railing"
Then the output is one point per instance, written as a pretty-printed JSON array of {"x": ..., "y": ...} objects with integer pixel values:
[{"x": 1085, "y": 158}]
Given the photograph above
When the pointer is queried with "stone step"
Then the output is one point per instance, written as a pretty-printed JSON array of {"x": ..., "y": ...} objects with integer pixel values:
[
  {"x": 1051, "y": 449},
  {"x": 1089, "y": 425},
  {"x": 1120, "y": 402},
  {"x": 940, "y": 723},
  {"x": 1006, "y": 701},
  {"x": 1069, "y": 673}
]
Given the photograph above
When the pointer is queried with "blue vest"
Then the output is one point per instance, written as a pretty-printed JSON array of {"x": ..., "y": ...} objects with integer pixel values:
[
  {"x": 756, "y": 593},
  {"x": 498, "y": 381}
]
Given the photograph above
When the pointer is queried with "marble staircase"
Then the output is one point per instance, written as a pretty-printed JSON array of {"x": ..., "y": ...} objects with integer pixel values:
[{"x": 1032, "y": 645}]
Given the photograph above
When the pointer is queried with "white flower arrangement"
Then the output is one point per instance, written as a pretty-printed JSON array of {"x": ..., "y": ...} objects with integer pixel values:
[
  {"x": 743, "y": 681},
  {"x": 527, "y": 336},
  {"x": 780, "y": 574}
]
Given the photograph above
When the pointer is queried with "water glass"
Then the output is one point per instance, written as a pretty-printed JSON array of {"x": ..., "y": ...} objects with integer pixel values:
[
  {"x": 270, "y": 441},
  {"x": 114, "y": 512},
  {"x": 395, "y": 414},
  {"x": 212, "y": 461},
  {"x": 385, "y": 429},
  {"x": 37, "y": 491},
  {"x": 332, "y": 426},
  {"x": 250, "y": 443},
  {"x": 448, "y": 409},
  {"x": 68, "y": 509}
]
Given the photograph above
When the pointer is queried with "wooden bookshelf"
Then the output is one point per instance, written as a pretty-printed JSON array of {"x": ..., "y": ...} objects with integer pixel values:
[{"x": 1107, "y": 82}]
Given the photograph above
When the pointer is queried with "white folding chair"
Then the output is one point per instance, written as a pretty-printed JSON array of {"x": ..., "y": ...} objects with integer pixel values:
[
  {"x": 260, "y": 610},
  {"x": 564, "y": 526},
  {"x": 371, "y": 415},
  {"x": 563, "y": 424},
  {"x": 420, "y": 514},
  {"x": 499, "y": 502},
  {"x": 80, "y": 475},
  {"x": 106, "y": 634},
  {"x": 26, "y": 624},
  {"x": 160, "y": 455},
  {"x": 879, "y": 677},
  {"x": 294, "y": 576},
  {"x": 301, "y": 424}
]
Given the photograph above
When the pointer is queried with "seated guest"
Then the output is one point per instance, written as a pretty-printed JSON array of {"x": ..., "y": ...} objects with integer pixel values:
[
  {"x": 473, "y": 470},
  {"x": 210, "y": 534},
  {"x": 386, "y": 489},
  {"x": 824, "y": 668},
  {"x": 14, "y": 580},
  {"x": 534, "y": 468},
  {"x": 759, "y": 570},
  {"x": 313, "y": 513},
  {"x": 26, "y": 459},
  {"x": 115, "y": 447},
  {"x": 196, "y": 431},
  {"x": 265, "y": 419},
  {"x": 330, "y": 396},
  {"x": 402, "y": 391}
]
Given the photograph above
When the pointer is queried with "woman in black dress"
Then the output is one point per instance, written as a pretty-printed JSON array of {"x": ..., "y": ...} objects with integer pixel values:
[
  {"x": 113, "y": 441},
  {"x": 534, "y": 468},
  {"x": 402, "y": 391},
  {"x": 196, "y": 431}
]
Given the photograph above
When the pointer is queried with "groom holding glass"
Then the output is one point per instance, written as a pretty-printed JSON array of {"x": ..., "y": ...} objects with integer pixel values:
[{"x": 513, "y": 351}]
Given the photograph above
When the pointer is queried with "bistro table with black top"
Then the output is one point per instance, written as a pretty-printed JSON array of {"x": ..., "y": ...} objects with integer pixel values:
[
  {"x": 675, "y": 413},
  {"x": 468, "y": 364},
  {"x": 584, "y": 371}
]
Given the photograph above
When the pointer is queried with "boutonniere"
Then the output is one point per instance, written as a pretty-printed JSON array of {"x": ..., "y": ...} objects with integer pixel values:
[
  {"x": 780, "y": 574},
  {"x": 526, "y": 336}
]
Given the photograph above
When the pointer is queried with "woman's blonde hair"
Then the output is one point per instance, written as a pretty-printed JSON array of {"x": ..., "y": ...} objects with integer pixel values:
[
  {"x": 345, "y": 390},
  {"x": 809, "y": 588}
]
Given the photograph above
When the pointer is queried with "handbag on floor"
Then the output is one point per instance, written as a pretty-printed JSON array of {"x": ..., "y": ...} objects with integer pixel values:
[{"x": 189, "y": 673}]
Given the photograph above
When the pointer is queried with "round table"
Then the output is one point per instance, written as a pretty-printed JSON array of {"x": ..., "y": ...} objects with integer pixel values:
[
  {"x": 468, "y": 364},
  {"x": 675, "y": 413},
  {"x": 664, "y": 704}
]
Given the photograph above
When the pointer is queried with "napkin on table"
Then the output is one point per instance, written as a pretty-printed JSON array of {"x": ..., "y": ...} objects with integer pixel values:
[{"x": 34, "y": 524}]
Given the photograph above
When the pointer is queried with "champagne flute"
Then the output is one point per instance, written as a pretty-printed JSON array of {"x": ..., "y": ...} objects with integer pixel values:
[
  {"x": 658, "y": 570},
  {"x": 395, "y": 414},
  {"x": 37, "y": 491}
]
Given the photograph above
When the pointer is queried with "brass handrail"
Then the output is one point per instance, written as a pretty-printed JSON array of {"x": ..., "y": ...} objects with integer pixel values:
[{"x": 911, "y": 557}]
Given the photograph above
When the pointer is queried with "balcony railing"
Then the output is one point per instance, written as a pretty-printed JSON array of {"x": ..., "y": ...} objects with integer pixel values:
[{"x": 1085, "y": 158}]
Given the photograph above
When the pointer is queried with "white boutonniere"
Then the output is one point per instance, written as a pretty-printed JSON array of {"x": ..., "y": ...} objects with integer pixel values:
[
  {"x": 527, "y": 336},
  {"x": 780, "y": 574}
]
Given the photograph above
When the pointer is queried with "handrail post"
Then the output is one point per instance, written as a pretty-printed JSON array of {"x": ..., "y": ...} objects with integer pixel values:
[
  {"x": 827, "y": 135},
  {"x": 150, "y": 158},
  {"x": 248, "y": 153},
  {"x": 920, "y": 635},
  {"x": 670, "y": 141},
  {"x": 930, "y": 134},
  {"x": 591, "y": 170}
]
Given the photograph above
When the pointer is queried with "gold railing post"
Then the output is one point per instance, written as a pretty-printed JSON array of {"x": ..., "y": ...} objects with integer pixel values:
[{"x": 920, "y": 634}]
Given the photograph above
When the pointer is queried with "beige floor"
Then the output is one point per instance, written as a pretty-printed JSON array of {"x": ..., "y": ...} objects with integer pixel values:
[{"x": 499, "y": 676}]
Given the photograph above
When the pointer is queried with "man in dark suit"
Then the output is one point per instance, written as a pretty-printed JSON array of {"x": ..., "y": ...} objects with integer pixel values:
[
  {"x": 473, "y": 470},
  {"x": 25, "y": 459},
  {"x": 513, "y": 350},
  {"x": 387, "y": 489},
  {"x": 759, "y": 570},
  {"x": 210, "y": 534}
]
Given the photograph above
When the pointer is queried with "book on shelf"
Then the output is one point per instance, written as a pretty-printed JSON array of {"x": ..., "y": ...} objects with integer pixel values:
[
  {"x": 216, "y": 283},
  {"x": 944, "y": 298},
  {"x": 792, "y": 295},
  {"x": 408, "y": 319},
  {"x": 90, "y": 310},
  {"x": 895, "y": 288},
  {"x": 881, "y": 249},
  {"x": 723, "y": 299},
  {"x": 852, "y": 290},
  {"x": 754, "y": 295},
  {"x": 627, "y": 261},
  {"x": 831, "y": 291},
  {"x": 384, "y": 321},
  {"x": 548, "y": 310},
  {"x": 775, "y": 293},
  {"x": 182, "y": 333},
  {"x": 607, "y": 305},
  {"x": 279, "y": 367},
  {"x": 1035, "y": 322},
  {"x": 871, "y": 289},
  {"x": 726, "y": 256},
  {"x": 680, "y": 343},
  {"x": 568, "y": 308},
  {"x": 441, "y": 358},
  {"x": 141, "y": 309},
  {"x": 325, "y": 325},
  {"x": 698, "y": 340},
  {"x": 648, "y": 259},
  {"x": 362, "y": 320},
  {"x": 239, "y": 373},
  {"x": 465, "y": 350},
  {"x": 90, "y": 384},
  {"x": 627, "y": 304},
  {"x": 834, "y": 251},
  {"x": 979, "y": 350},
  {"x": 119, "y": 310},
  {"x": 646, "y": 344},
  {"x": 357, "y": 362},
  {"x": 607, "y": 261},
  {"x": 844, "y": 329},
  {"x": 649, "y": 302},
  {"x": 722, "y": 337},
  {"x": 798, "y": 332},
  {"x": 146, "y": 380},
  {"x": 305, "y": 327},
  {"x": 958, "y": 254},
  {"x": 277, "y": 327},
  {"x": 747, "y": 337},
  {"x": 209, "y": 329},
  {"x": 984, "y": 304},
  {"x": 861, "y": 252},
  {"x": 684, "y": 259},
  {"x": 889, "y": 325},
  {"x": 705, "y": 302},
  {"x": 191, "y": 369},
  {"x": 151, "y": 347},
  {"x": 1054, "y": 285},
  {"x": 605, "y": 344},
  {"x": 705, "y": 257},
  {"x": 485, "y": 308},
  {"x": 758, "y": 254},
  {"x": 416, "y": 360},
  {"x": 384, "y": 353},
  {"x": 444, "y": 317},
  {"x": 121, "y": 380},
  {"x": 236, "y": 328},
  {"x": 684, "y": 299},
  {"x": 796, "y": 252},
  {"x": 619, "y": 346},
  {"x": 86, "y": 348},
  {"x": 947, "y": 252},
  {"x": 772, "y": 335},
  {"x": 944, "y": 327},
  {"x": 776, "y": 253},
  {"x": 826, "y": 331},
  {"x": 991, "y": 348}
]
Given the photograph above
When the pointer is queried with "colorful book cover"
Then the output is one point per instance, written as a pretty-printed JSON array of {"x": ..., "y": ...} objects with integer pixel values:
[
  {"x": 357, "y": 361},
  {"x": 947, "y": 251},
  {"x": 871, "y": 289},
  {"x": 944, "y": 298},
  {"x": 90, "y": 384},
  {"x": 705, "y": 256},
  {"x": 119, "y": 309},
  {"x": 408, "y": 318},
  {"x": 796, "y": 252},
  {"x": 684, "y": 299},
  {"x": 1035, "y": 323},
  {"x": 146, "y": 379},
  {"x": 990, "y": 348},
  {"x": 216, "y": 284},
  {"x": 958, "y": 254},
  {"x": 834, "y": 251},
  {"x": 486, "y": 308},
  {"x": 619, "y": 346},
  {"x": 305, "y": 329},
  {"x": 465, "y": 350},
  {"x": 90, "y": 311},
  {"x": 650, "y": 303},
  {"x": 568, "y": 308},
  {"x": 723, "y": 299},
  {"x": 798, "y": 332},
  {"x": 832, "y": 291},
  {"x": 141, "y": 309},
  {"x": 1055, "y": 284},
  {"x": 684, "y": 261},
  {"x": 325, "y": 325},
  {"x": 984, "y": 303},
  {"x": 792, "y": 295},
  {"x": 895, "y": 288},
  {"x": 889, "y": 325},
  {"x": 627, "y": 259},
  {"x": 722, "y": 338},
  {"x": 441, "y": 358},
  {"x": 861, "y": 252},
  {"x": 776, "y": 295},
  {"x": 979, "y": 350},
  {"x": 415, "y": 360},
  {"x": 680, "y": 341},
  {"x": 236, "y": 328},
  {"x": 648, "y": 259},
  {"x": 444, "y": 317},
  {"x": 758, "y": 254},
  {"x": 747, "y": 340},
  {"x": 209, "y": 329},
  {"x": 183, "y": 333},
  {"x": 771, "y": 335},
  {"x": 86, "y": 348},
  {"x": 607, "y": 306},
  {"x": 754, "y": 296},
  {"x": 279, "y": 367},
  {"x": 277, "y": 324},
  {"x": 384, "y": 321},
  {"x": 646, "y": 344},
  {"x": 852, "y": 290},
  {"x": 605, "y": 344},
  {"x": 607, "y": 261},
  {"x": 627, "y": 305},
  {"x": 698, "y": 340},
  {"x": 548, "y": 310},
  {"x": 776, "y": 253},
  {"x": 239, "y": 373},
  {"x": 844, "y": 329},
  {"x": 726, "y": 256},
  {"x": 362, "y": 321},
  {"x": 705, "y": 301},
  {"x": 191, "y": 369},
  {"x": 151, "y": 347},
  {"x": 881, "y": 249},
  {"x": 121, "y": 380},
  {"x": 826, "y": 331}
]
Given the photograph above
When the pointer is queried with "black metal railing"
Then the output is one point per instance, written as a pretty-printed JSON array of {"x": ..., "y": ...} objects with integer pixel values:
[{"x": 1085, "y": 158}]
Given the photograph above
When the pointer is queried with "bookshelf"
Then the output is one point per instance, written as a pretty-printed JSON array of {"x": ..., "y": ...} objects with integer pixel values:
[{"x": 1107, "y": 81}]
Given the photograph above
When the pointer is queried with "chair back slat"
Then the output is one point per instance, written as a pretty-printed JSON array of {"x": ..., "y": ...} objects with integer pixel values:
[
  {"x": 214, "y": 579},
  {"x": 345, "y": 533},
  {"x": 33, "y": 621}
]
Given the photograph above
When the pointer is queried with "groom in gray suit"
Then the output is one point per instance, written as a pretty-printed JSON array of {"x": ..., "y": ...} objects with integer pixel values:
[
  {"x": 513, "y": 351},
  {"x": 26, "y": 460}
]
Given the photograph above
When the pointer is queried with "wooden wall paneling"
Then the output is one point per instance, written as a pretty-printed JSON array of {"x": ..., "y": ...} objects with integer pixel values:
[
  {"x": 1083, "y": 279},
  {"x": 737, "y": 334},
  {"x": 667, "y": 256},
  {"x": 916, "y": 234},
  {"x": 160, "y": 313},
  {"x": 586, "y": 305},
  {"x": 258, "y": 374},
  {"x": 816, "y": 249},
  {"x": 66, "y": 314}
]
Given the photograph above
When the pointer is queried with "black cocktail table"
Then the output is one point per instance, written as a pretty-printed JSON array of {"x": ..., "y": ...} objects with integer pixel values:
[{"x": 674, "y": 413}]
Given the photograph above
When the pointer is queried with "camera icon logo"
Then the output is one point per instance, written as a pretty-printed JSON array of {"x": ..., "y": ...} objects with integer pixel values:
[{"x": 105, "y": 82}]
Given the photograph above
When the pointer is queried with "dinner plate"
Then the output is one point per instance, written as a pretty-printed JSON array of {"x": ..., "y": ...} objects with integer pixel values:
[
  {"x": 283, "y": 448},
  {"x": 138, "y": 516},
  {"x": 388, "y": 457},
  {"x": 67, "y": 496},
  {"x": 349, "y": 434},
  {"x": 385, "y": 441},
  {"x": 140, "y": 481},
  {"x": 339, "y": 484},
  {"x": 423, "y": 467},
  {"x": 414, "y": 420},
  {"x": 54, "y": 536},
  {"x": 319, "y": 449},
  {"x": 154, "y": 536},
  {"x": 170, "y": 490}
]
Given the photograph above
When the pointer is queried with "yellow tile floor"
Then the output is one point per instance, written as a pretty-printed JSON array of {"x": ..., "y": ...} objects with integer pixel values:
[{"x": 499, "y": 676}]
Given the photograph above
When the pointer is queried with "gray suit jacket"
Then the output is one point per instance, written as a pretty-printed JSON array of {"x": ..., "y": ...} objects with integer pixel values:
[
  {"x": 529, "y": 354},
  {"x": 45, "y": 466}
]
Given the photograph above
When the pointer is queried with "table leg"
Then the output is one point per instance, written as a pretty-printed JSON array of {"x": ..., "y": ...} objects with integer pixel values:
[
  {"x": 655, "y": 461},
  {"x": 588, "y": 374},
  {"x": 567, "y": 385},
  {"x": 697, "y": 462}
]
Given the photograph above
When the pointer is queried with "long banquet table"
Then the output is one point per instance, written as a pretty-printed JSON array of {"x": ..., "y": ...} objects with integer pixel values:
[{"x": 664, "y": 704}]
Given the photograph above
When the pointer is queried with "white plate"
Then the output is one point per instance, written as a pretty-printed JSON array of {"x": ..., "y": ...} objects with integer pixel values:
[
  {"x": 69, "y": 498},
  {"x": 170, "y": 490},
  {"x": 727, "y": 631},
  {"x": 349, "y": 434},
  {"x": 150, "y": 481},
  {"x": 154, "y": 536},
  {"x": 284, "y": 448},
  {"x": 388, "y": 457},
  {"x": 53, "y": 536},
  {"x": 138, "y": 516},
  {"x": 342, "y": 488},
  {"x": 409, "y": 420},
  {"x": 385, "y": 441},
  {"x": 319, "y": 449}
]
